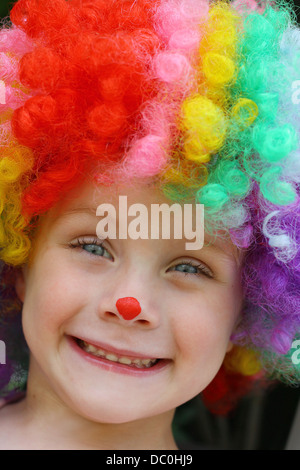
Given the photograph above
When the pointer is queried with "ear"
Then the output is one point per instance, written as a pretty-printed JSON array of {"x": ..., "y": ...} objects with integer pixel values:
[{"x": 20, "y": 284}]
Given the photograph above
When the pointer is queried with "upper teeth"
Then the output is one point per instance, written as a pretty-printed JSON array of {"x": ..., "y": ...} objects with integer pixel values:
[{"x": 140, "y": 363}]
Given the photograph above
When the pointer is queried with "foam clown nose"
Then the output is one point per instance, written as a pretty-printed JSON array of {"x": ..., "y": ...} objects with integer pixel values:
[{"x": 128, "y": 307}]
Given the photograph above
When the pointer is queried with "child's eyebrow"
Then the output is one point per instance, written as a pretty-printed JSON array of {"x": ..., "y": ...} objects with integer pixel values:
[
  {"x": 78, "y": 210},
  {"x": 232, "y": 255}
]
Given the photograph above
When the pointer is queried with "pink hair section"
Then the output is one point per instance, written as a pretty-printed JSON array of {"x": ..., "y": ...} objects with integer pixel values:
[
  {"x": 139, "y": 162},
  {"x": 180, "y": 15},
  {"x": 8, "y": 68},
  {"x": 13, "y": 45},
  {"x": 178, "y": 25},
  {"x": 247, "y": 6},
  {"x": 15, "y": 41}
]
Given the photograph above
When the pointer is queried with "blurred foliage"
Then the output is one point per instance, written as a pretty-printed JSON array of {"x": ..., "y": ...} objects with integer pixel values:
[
  {"x": 261, "y": 421},
  {"x": 5, "y": 7}
]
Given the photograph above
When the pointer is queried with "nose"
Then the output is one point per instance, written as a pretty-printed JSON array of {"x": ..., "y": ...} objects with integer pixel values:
[{"x": 128, "y": 307}]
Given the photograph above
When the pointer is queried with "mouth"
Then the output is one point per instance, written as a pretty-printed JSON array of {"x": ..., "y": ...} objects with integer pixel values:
[{"x": 113, "y": 357}]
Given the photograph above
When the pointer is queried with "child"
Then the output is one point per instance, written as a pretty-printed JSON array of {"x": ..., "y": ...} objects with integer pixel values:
[{"x": 157, "y": 102}]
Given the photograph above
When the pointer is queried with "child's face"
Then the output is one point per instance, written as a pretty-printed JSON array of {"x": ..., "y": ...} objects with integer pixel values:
[{"x": 69, "y": 292}]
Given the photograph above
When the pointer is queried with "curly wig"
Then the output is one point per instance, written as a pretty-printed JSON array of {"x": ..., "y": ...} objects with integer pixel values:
[{"x": 199, "y": 96}]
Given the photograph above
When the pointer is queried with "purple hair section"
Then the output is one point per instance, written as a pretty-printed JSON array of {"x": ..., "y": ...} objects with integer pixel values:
[
  {"x": 271, "y": 277},
  {"x": 14, "y": 361}
]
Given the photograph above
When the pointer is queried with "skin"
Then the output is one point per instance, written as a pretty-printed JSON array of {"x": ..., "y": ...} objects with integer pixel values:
[{"x": 66, "y": 291}]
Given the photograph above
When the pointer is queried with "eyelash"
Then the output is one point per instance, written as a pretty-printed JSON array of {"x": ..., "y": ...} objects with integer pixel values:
[
  {"x": 203, "y": 269},
  {"x": 80, "y": 242}
]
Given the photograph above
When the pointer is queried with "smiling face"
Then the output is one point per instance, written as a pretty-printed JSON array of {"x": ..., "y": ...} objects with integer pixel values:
[{"x": 83, "y": 351}]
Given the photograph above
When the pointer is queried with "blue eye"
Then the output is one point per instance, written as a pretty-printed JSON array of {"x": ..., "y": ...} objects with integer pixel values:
[
  {"x": 186, "y": 268},
  {"x": 194, "y": 269},
  {"x": 94, "y": 247}
]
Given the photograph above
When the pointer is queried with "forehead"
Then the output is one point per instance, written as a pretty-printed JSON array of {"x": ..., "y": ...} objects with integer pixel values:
[
  {"x": 89, "y": 195},
  {"x": 86, "y": 197}
]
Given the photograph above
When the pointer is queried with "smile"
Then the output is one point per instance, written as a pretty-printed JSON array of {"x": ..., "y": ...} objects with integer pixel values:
[{"x": 140, "y": 363}]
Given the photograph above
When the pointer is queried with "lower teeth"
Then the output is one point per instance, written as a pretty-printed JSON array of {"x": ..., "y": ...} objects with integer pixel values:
[{"x": 139, "y": 366}]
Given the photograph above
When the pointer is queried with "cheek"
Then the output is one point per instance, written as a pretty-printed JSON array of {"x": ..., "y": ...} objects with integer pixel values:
[
  {"x": 202, "y": 341},
  {"x": 204, "y": 337},
  {"x": 204, "y": 327},
  {"x": 53, "y": 296}
]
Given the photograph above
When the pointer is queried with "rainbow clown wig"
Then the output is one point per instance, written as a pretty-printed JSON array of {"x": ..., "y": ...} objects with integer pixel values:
[{"x": 200, "y": 97}]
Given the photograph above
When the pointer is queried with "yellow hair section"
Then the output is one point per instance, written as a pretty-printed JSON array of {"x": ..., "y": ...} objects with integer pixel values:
[
  {"x": 203, "y": 123},
  {"x": 221, "y": 30},
  {"x": 213, "y": 64},
  {"x": 242, "y": 361},
  {"x": 186, "y": 174},
  {"x": 205, "y": 126},
  {"x": 15, "y": 162},
  {"x": 245, "y": 112}
]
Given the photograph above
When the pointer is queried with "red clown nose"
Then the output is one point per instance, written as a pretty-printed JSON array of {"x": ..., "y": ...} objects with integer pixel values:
[{"x": 128, "y": 307}]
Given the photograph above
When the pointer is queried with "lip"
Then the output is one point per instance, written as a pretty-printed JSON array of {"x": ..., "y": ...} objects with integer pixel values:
[
  {"x": 119, "y": 352},
  {"x": 115, "y": 366}
]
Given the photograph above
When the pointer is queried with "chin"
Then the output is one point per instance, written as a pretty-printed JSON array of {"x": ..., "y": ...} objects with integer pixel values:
[{"x": 105, "y": 410}]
